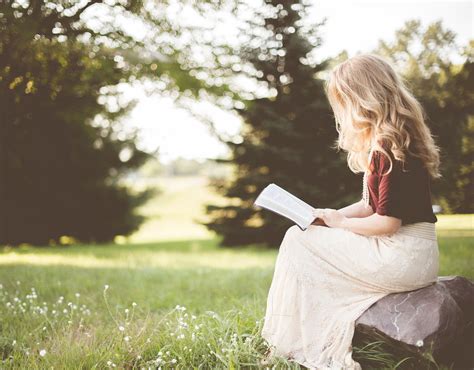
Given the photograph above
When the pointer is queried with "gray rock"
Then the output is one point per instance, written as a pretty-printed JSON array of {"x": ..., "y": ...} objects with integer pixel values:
[{"x": 437, "y": 319}]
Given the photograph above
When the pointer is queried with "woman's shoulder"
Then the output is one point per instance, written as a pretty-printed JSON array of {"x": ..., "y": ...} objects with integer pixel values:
[{"x": 383, "y": 161}]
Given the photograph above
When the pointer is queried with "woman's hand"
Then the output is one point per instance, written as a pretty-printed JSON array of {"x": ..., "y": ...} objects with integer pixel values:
[{"x": 331, "y": 217}]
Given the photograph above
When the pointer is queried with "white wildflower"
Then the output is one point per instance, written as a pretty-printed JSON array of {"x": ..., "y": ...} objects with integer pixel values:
[{"x": 42, "y": 353}]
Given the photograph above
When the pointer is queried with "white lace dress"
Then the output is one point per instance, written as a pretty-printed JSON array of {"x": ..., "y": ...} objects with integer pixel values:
[{"x": 325, "y": 278}]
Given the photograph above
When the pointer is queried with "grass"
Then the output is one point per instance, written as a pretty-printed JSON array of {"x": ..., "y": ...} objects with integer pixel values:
[
  {"x": 171, "y": 304},
  {"x": 224, "y": 290},
  {"x": 176, "y": 213}
]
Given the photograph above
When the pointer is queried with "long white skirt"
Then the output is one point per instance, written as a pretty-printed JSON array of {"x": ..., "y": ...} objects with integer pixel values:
[{"x": 325, "y": 278}]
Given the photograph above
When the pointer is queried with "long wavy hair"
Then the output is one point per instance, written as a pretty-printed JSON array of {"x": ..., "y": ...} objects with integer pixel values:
[{"x": 374, "y": 109}]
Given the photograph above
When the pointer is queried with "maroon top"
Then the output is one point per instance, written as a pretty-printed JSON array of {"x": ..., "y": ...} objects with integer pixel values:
[{"x": 404, "y": 195}]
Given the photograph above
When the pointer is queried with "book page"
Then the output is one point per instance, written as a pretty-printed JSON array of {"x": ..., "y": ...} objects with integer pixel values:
[{"x": 286, "y": 204}]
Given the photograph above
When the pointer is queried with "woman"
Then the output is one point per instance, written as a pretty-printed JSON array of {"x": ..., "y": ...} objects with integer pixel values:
[{"x": 326, "y": 276}]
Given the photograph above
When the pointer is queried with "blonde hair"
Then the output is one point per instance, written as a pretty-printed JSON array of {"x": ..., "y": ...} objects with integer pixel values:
[{"x": 373, "y": 108}]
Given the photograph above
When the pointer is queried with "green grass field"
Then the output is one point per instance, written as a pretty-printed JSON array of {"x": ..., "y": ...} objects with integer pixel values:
[
  {"x": 170, "y": 303},
  {"x": 176, "y": 213}
]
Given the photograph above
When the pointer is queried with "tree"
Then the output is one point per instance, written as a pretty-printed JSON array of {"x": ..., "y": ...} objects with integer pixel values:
[
  {"x": 63, "y": 152},
  {"x": 446, "y": 91},
  {"x": 61, "y": 170},
  {"x": 288, "y": 135}
]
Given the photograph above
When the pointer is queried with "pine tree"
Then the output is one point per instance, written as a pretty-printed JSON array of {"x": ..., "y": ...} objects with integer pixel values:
[{"x": 288, "y": 136}]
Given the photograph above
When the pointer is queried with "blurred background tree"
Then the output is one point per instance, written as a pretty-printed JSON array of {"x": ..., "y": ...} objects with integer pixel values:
[
  {"x": 63, "y": 148},
  {"x": 287, "y": 136},
  {"x": 61, "y": 169}
]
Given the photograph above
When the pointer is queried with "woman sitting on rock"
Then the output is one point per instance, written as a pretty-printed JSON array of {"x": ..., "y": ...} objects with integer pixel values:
[{"x": 326, "y": 276}]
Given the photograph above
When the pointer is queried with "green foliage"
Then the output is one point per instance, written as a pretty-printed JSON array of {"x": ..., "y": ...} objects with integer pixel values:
[
  {"x": 62, "y": 169},
  {"x": 446, "y": 91},
  {"x": 287, "y": 136},
  {"x": 62, "y": 153}
]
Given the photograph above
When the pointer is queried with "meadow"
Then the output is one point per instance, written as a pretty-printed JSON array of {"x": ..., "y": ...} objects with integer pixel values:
[{"x": 178, "y": 302}]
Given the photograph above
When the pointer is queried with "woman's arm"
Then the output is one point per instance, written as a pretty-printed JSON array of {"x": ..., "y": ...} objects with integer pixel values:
[
  {"x": 356, "y": 209},
  {"x": 372, "y": 225}
]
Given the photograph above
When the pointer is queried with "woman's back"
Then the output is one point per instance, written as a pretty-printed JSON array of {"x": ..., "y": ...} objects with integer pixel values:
[{"x": 404, "y": 193}]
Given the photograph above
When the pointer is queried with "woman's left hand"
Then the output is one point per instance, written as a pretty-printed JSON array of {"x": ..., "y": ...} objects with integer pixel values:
[{"x": 331, "y": 217}]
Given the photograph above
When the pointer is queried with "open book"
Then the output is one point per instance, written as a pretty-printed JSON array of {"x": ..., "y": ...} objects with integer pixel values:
[{"x": 278, "y": 200}]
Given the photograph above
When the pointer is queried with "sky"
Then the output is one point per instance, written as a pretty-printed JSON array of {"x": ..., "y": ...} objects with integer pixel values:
[{"x": 353, "y": 25}]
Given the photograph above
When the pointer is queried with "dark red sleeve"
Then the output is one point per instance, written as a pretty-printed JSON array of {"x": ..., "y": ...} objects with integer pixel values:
[{"x": 389, "y": 189}]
